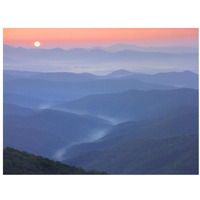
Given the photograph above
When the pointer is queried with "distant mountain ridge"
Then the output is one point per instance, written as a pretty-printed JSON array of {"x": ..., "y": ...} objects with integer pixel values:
[
  {"x": 164, "y": 49},
  {"x": 120, "y": 73},
  {"x": 179, "y": 79},
  {"x": 51, "y": 76},
  {"x": 52, "y": 91},
  {"x": 121, "y": 47},
  {"x": 91, "y": 54},
  {"x": 62, "y": 60}
]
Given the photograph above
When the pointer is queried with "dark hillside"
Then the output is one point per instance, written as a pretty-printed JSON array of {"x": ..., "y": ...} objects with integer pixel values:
[{"x": 21, "y": 162}]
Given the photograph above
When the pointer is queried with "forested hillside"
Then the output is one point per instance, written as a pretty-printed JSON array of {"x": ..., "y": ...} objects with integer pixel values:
[
  {"x": 173, "y": 155},
  {"x": 20, "y": 162}
]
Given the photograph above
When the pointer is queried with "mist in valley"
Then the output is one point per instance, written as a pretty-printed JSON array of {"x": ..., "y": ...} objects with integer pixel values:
[{"x": 94, "y": 136}]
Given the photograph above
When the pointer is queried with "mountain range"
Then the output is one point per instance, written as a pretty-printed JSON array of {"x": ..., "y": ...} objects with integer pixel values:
[
  {"x": 163, "y": 49},
  {"x": 96, "y": 59},
  {"x": 132, "y": 104},
  {"x": 180, "y": 121},
  {"x": 122, "y": 123},
  {"x": 56, "y": 91},
  {"x": 42, "y": 90},
  {"x": 165, "y": 145},
  {"x": 173, "y": 155}
]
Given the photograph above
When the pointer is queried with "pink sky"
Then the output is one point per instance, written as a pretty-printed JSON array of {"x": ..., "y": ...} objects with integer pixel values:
[{"x": 90, "y": 37}]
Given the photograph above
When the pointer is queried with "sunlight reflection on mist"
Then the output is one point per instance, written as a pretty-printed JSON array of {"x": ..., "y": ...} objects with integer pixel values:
[{"x": 92, "y": 137}]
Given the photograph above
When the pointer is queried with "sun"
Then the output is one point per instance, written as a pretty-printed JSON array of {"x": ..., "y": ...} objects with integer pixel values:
[{"x": 37, "y": 44}]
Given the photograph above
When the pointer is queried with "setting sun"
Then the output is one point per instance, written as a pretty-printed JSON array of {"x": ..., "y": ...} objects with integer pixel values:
[{"x": 37, "y": 44}]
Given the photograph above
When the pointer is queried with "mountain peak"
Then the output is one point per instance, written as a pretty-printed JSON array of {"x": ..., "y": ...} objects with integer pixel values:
[{"x": 119, "y": 73}]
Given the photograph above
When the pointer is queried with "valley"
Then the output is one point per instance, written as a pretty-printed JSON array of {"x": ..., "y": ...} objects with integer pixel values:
[{"x": 121, "y": 123}]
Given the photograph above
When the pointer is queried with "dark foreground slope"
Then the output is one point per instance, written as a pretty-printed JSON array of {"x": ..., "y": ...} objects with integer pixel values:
[
  {"x": 20, "y": 162},
  {"x": 173, "y": 155}
]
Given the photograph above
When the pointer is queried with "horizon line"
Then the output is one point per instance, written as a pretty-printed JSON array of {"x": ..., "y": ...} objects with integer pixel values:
[
  {"x": 102, "y": 47},
  {"x": 100, "y": 75}
]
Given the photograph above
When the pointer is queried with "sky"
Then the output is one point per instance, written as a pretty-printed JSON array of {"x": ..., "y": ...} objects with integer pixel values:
[{"x": 93, "y": 37}]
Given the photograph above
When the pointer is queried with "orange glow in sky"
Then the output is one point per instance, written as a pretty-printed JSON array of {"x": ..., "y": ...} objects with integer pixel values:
[{"x": 90, "y": 37}]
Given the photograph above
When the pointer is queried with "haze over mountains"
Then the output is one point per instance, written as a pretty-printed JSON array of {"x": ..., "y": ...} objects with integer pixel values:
[
  {"x": 152, "y": 59},
  {"x": 51, "y": 130},
  {"x": 163, "y": 49},
  {"x": 48, "y": 89},
  {"x": 133, "y": 104},
  {"x": 174, "y": 155},
  {"x": 121, "y": 121},
  {"x": 58, "y": 91}
]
